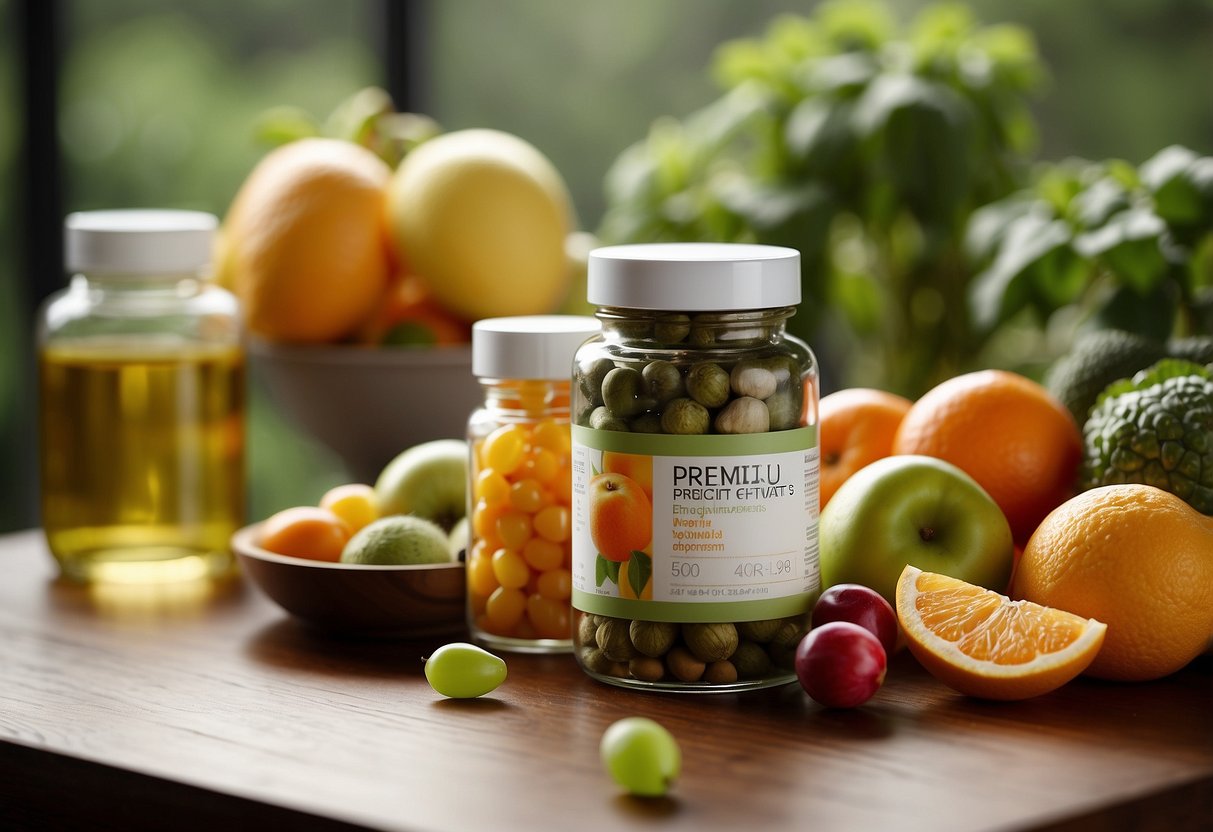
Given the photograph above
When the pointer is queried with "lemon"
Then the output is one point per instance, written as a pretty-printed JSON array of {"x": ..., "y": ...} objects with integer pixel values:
[
  {"x": 400, "y": 539},
  {"x": 481, "y": 217}
]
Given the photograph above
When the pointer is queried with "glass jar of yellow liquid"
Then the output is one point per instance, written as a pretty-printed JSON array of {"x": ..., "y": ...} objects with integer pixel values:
[{"x": 141, "y": 411}]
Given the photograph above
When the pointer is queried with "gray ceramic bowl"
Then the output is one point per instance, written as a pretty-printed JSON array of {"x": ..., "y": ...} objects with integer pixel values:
[
  {"x": 368, "y": 404},
  {"x": 355, "y": 599}
]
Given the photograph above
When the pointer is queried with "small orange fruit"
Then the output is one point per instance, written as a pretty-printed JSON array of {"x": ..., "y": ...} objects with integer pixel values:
[
  {"x": 305, "y": 532},
  {"x": 857, "y": 427},
  {"x": 305, "y": 243},
  {"x": 353, "y": 502},
  {"x": 984, "y": 644},
  {"x": 1136, "y": 557},
  {"x": 1005, "y": 431},
  {"x": 621, "y": 516}
]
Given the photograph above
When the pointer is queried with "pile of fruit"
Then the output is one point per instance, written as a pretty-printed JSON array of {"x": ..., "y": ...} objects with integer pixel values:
[
  {"x": 326, "y": 242},
  {"x": 414, "y": 514},
  {"x": 988, "y": 488}
]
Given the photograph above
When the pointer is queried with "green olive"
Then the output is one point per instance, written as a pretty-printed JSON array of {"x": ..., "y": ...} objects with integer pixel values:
[
  {"x": 701, "y": 335},
  {"x": 710, "y": 642},
  {"x": 664, "y": 381},
  {"x": 646, "y": 423},
  {"x": 708, "y": 384},
  {"x": 653, "y": 638},
  {"x": 685, "y": 416},
  {"x": 750, "y": 660},
  {"x": 672, "y": 328},
  {"x": 602, "y": 419},
  {"x": 624, "y": 393},
  {"x": 784, "y": 408},
  {"x": 590, "y": 379}
]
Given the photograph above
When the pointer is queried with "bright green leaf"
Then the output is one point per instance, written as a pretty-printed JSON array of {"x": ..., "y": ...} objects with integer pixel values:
[
  {"x": 605, "y": 570},
  {"x": 1005, "y": 286},
  {"x": 988, "y": 224},
  {"x": 639, "y": 571},
  {"x": 819, "y": 137},
  {"x": 282, "y": 125},
  {"x": 1165, "y": 165},
  {"x": 1128, "y": 244},
  {"x": 1095, "y": 205}
]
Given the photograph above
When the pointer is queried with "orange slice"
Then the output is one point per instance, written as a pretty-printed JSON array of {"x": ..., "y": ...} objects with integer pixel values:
[{"x": 986, "y": 645}]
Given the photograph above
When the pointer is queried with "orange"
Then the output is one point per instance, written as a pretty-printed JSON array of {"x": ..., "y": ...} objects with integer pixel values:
[
  {"x": 305, "y": 243},
  {"x": 984, "y": 644},
  {"x": 621, "y": 516},
  {"x": 857, "y": 427},
  {"x": 408, "y": 315},
  {"x": 305, "y": 532},
  {"x": 1005, "y": 431},
  {"x": 1136, "y": 557},
  {"x": 637, "y": 467}
]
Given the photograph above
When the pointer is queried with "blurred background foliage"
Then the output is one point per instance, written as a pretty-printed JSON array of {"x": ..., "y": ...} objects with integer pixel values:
[{"x": 159, "y": 101}]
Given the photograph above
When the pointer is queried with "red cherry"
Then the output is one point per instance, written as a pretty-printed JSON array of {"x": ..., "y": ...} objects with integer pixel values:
[
  {"x": 840, "y": 664},
  {"x": 859, "y": 605}
]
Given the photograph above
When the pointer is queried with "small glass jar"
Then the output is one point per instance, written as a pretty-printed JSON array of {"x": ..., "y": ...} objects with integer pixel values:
[
  {"x": 141, "y": 411},
  {"x": 695, "y": 470},
  {"x": 519, "y": 547}
]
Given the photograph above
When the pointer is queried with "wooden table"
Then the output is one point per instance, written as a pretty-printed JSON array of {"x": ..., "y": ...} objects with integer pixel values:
[{"x": 192, "y": 710}]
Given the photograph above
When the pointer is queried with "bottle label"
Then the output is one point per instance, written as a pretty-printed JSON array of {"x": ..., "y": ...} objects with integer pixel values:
[{"x": 695, "y": 528}]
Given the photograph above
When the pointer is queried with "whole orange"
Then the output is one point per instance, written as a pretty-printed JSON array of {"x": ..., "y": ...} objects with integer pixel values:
[
  {"x": 857, "y": 426},
  {"x": 305, "y": 532},
  {"x": 1005, "y": 431},
  {"x": 621, "y": 516},
  {"x": 1138, "y": 559},
  {"x": 305, "y": 243}
]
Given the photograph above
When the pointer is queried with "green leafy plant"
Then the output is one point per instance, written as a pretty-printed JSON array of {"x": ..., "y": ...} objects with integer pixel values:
[
  {"x": 865, "y": 146},
  {"x": 368, "y": 117},
  {"x": 1110, "y": 245}
]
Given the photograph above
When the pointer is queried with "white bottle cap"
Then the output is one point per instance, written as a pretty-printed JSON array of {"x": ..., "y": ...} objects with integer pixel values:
[
  {"x": 694, "y": 277},
  {"x": 529, "y": 346},
  {"x": 139, "y": 241}
]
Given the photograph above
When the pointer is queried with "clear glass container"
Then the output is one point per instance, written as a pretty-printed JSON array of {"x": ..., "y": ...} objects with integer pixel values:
[
  {"x": 695, "y": 464},
  {"x": 519, "y": 547},
  {"x": 141, "y": 406}
]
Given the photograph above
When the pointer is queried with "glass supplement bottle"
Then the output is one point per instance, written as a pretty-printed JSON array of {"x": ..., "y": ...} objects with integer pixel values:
[
  {"x": 518, "y": 560},
  {"x": 141, "y": 411},
  {"x": 695, "y": 469}
]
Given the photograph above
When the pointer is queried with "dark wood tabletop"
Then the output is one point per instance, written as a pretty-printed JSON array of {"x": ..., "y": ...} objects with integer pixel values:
[{"x": 182, "y": 709}]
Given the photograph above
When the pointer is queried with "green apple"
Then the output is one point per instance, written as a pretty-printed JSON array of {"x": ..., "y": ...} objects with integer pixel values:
[
  {"x": 917, "y": 510},
  {"x": 429, "y": 480}
]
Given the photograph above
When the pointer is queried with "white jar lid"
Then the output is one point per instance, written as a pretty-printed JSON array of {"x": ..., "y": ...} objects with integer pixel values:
[
  {"x": 529, "y": 346},
  {"x": 139, "y": 241},
  {"x": 694, "y": 277}
]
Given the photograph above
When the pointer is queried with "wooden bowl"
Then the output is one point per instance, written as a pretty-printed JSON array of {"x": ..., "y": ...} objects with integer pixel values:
[{"x": 356, "y": 599}]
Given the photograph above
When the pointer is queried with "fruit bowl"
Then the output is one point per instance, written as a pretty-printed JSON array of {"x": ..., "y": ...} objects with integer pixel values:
[
  {"x": 367, "y": 404},
  {"x": 356, "y": 599}
]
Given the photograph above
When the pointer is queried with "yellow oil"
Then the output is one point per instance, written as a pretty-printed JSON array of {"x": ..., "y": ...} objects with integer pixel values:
[{"x": 142, "y": 452}]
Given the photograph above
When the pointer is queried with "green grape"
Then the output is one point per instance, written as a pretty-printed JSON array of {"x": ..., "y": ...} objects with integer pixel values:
[
  {"x": 464, "y": 671},
  {"x": 641, "y": 756}
]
